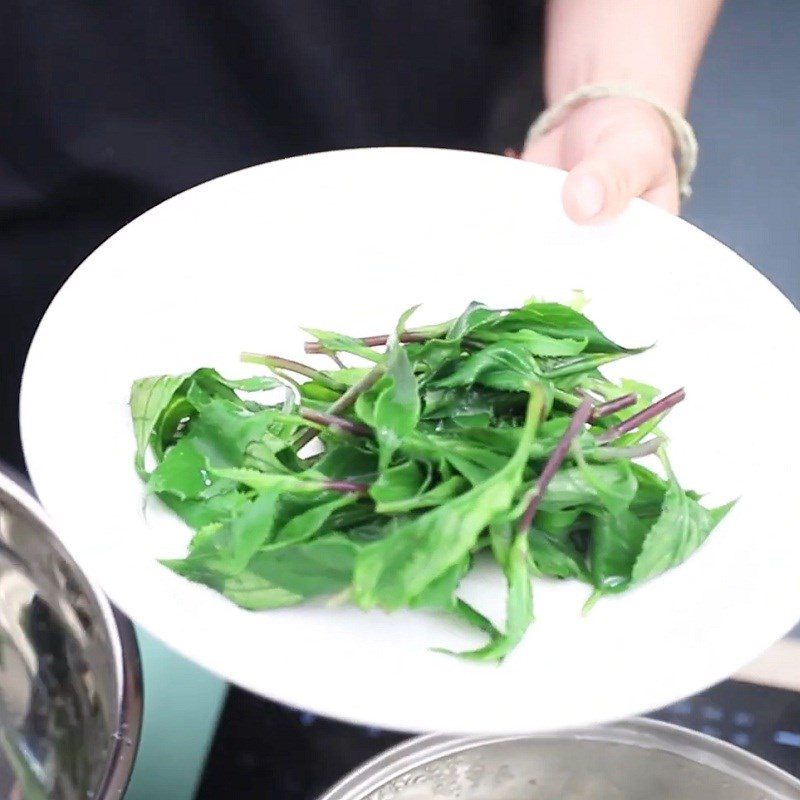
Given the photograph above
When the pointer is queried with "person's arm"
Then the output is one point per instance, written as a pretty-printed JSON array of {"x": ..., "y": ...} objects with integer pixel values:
[{"x": 619, "y": 148}]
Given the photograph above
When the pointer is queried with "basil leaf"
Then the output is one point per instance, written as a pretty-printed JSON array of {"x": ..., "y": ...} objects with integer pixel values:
[
  {"x": 397, "y": 407},
  {"x": 681, "y": 528},
  {"x": 149, "y": 397},
  {"x": 391, "y": 572},
  {"x": 519, "y": 605}
]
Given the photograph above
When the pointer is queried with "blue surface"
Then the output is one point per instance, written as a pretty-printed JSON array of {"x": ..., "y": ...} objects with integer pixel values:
[
  {"x": 746, "y": 110},
  {"x": 181, "y": 706}
]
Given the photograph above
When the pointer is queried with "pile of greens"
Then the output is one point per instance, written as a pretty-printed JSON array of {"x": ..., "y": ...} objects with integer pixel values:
[{"x": 494, "y": 433}]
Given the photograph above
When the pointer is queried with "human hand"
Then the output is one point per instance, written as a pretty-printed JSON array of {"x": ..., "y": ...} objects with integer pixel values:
[{"x": 615, "y": 149}]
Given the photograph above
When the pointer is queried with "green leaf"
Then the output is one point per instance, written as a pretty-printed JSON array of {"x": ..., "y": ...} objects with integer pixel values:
[
  {"x": 616, "y": 542},
  {"x": 519, "y": 605},
  {"x": 501, "y": 535},
  {"x": 536, "y": 344},
  {"x": 585, "y": 363},
  {"x": 170, "y": 423},
  {"x": 556, "y": 555},
  {"x": 207, "y": 510},
  {"x": 268, "y": 482},
  {"x": 311, "y": 390},
  {"x": 504, "y": 366},
  {"x": 646, "y": 394},
  {"x": 400, "y": 482},
  {"x": 439, "y": 494},
  {"x": 348, "y": 460},
  {"x": 480, "y": 421},
  {"x": 570, "y": 487},
  {"x": 246, "y": 589},
  {"x": 257, "y": 383},
  {"x": 339, "y": 343},
  {"x": 560, "y": 322},
  {"x": 348, "y": 376},
  {"x": 441, "y": 593},
  {"x": 474, "y": 462},
  {"x": 255, "y": 593},
  {"x": 321, "y": 566},
  {"x": 680, "y": 529},
  {"x": 309, "y": 523},
  {"x": 184, "y": 472},
  {"x": 431, "y": 356},
  {"x": 228, "y": 547},
  {"x": 615, "y": 488},
  {"x": 390, "y": 572},
  {"x": 397, "y": 408},
  {"x": 230, "y": 431},
  {"x": 449, "y": 404},
  {"x": 149, "y": 397},
  {"x": 466, "y": 613},
  {"x": 505, "y": 440},
  {"x": 474, "y": 315}
]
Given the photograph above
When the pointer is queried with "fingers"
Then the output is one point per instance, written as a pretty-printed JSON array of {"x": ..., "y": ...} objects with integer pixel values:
[
  {"x": 666, "y": 195},
  {"x": 545, "y": 150},
  {"x": 621, "y": 165}
]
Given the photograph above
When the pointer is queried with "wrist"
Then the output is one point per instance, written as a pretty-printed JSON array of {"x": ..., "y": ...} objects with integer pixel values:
[{"x": 666, "y": 86}]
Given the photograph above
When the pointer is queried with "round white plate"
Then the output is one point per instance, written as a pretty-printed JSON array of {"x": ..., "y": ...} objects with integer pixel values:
[{"x": 347, "y": 241}]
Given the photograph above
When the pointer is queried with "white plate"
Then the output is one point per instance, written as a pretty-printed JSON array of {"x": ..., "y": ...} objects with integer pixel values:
[{"x": 347, "y": 241}]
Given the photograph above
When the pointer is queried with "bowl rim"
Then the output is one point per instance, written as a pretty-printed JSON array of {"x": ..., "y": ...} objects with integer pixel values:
[
  {"x": 18, "y": 495},
  {"x": 640, "y": 732}
]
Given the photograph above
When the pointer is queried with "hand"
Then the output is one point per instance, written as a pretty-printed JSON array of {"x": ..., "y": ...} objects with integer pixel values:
[{"x": 615, "y": 149}]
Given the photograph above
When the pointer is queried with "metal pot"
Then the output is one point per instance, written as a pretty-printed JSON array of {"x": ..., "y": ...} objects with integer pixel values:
[
  {"x": 70, "y": 678},
  {"x": 636, "y": 760}
]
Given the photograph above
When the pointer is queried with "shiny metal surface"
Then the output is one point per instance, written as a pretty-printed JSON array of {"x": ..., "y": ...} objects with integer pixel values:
[
  {"x": 636, "y": 760},
  {"x": 70, "y": 680}
]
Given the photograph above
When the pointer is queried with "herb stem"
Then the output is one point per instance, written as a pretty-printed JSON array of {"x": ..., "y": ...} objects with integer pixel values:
[
  {"x": 576, "y": 424},
  {"x": 613, "y": 406},
  {"x": 566, "y": 398},
  {"x": 375, "y": 341},
  {"x": 334, "y": 422},
  {"x": 659, "y": 407},
  {"x": 345, "y": 487},
  {"x": 277, "y": 362},
  {"x": 345, "y": 402},
  {"x": 648, "y": 448}
]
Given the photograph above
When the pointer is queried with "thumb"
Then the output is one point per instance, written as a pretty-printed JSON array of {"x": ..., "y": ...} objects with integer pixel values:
[{"x": 621, "y": 166}]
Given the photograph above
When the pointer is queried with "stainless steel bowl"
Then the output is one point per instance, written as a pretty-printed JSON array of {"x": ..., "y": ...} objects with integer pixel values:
[
  {"x": 70, "y": 679},
  {"x": 636, "y": 760}
]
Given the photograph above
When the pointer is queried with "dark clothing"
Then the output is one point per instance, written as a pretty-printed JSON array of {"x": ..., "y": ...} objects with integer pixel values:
[{"x": 108, "y": 107}]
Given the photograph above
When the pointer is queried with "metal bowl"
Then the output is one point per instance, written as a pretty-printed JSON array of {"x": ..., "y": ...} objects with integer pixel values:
[
  {"x": 636, "y": 760},
  {"x": 70, "y": 679}
]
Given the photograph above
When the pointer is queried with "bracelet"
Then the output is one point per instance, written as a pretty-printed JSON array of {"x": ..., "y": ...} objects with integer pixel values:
[{"x": 683, "y": 134}]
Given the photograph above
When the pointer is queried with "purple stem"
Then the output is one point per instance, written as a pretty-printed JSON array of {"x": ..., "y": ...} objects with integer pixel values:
[
  {"x": 612, "y": 406},
  {"x": 579, "y": 419},
  {"x": 277, "y": 362},
  {"x": 659, "y": 407},
  {"x": 345, "y": 487},
  {"x": 344, "y": 402},
  {"x": 332, "y": 421}
]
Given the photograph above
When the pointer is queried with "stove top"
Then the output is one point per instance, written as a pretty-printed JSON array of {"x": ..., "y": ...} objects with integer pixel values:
[{"x": 265, "y": 750}]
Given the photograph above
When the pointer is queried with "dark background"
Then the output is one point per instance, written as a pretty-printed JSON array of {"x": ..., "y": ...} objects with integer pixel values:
[{"x": 746, "y": 110}]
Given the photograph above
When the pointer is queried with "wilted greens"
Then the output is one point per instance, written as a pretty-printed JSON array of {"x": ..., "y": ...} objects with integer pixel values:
[{"x": 492, "y": 435}]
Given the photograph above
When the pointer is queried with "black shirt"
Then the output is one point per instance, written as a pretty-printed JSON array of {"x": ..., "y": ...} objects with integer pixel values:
[{"x": 109, "y": 106}]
